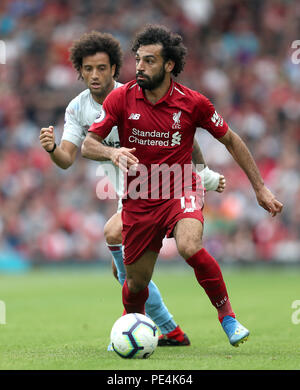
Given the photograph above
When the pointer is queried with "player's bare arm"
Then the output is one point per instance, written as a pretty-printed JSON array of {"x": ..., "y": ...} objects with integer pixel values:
[
  {"x": 93, "y": 149},
  {"x": 239, "y": 151},
  {"x": 62, "y": 155},
  {"x": 212, "y": 180},
  {"x": 197, "y": 155}
]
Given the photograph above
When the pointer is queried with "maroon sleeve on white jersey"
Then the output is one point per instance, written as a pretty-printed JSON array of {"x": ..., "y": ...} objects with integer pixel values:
[
  {"x": 109, "y": 116},
  {"x": 208, "y": 118}
]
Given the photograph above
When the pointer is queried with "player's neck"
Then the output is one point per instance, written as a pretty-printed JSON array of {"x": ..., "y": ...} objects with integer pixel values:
[
  {"x": 156, "y": 94},
  {"x": 98, "y": 99}
]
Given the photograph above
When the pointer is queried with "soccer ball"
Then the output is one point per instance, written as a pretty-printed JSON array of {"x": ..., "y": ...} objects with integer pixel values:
[{"x": 134, "y": 336}]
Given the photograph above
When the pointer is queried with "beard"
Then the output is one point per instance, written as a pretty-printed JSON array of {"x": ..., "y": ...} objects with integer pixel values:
[
  {"x": 103, "y": 91},
  {"x": 153, "y": 82}
]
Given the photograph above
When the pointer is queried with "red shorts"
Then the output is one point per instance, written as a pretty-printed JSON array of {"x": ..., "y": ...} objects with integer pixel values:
[{"x": 145, "y": 229}]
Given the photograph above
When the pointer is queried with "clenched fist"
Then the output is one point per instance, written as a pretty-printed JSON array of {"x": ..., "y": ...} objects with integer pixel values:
[{"x": 47, "y": 138}]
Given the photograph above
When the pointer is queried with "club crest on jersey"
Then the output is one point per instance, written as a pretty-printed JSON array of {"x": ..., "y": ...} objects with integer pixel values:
[
  {"x": 176, "y": 119},
  {"x": 101, "y": 116}
]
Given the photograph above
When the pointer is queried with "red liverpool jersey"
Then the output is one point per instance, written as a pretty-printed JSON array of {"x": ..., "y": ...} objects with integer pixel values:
[{"x": 162, "y": 133}]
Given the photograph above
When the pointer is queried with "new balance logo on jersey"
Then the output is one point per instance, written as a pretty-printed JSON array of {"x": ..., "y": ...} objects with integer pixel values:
[
  {"x": 216, "y": 119},
  {"x": 176, "y": 119},
  {"x": 135, "y": 117},
  {"x": 176, "y": 139}
]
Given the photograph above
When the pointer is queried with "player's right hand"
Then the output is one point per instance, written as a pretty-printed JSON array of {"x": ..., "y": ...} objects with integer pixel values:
[
  {"x": 47, "y": 138},
  {"x": 124, "y": 158}
]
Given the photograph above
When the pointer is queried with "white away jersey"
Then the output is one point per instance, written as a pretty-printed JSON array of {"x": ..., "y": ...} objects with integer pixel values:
[{"x": 79, "y": 116}]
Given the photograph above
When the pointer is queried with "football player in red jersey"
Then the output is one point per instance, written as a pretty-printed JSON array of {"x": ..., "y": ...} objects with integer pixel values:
[
  {"x": 157, "y": 119},
  {"x": 97, "y": 58}
]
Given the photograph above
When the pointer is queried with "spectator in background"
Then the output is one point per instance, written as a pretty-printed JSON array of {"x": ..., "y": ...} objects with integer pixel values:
[{"x": 239, "y": 56}]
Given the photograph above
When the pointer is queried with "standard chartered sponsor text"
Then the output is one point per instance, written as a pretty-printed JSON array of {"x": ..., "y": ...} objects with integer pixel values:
[{"x": 143, "y": 137}]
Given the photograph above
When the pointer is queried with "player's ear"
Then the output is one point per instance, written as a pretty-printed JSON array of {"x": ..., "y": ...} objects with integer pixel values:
[
  {"x": 80, "y": 72},
  {"x": 113, "y": 70},
  {"x": 169, "y": 66}
]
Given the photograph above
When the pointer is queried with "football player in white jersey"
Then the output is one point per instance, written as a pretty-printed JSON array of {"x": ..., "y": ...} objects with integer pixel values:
[{"x": 97, "y": 57}]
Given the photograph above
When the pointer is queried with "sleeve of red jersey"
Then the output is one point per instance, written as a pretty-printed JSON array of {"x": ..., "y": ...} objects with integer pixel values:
[
  {"x": 109, "y": 116},
  {"x": 208, "y": 118}
]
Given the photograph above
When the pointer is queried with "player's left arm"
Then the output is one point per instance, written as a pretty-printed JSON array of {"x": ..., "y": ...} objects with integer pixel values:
[
  {"x": 211, "y": 180},
  {"x": 241, "y": 154}
]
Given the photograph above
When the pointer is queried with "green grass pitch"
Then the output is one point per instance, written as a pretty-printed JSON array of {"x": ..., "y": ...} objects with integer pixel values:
[{"x": 61, "y": 320}]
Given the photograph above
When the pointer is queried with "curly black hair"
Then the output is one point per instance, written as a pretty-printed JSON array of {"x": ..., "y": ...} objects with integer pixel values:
[
  {"x": 94, "y": 42},
  {"x": 173, "y": 48}
]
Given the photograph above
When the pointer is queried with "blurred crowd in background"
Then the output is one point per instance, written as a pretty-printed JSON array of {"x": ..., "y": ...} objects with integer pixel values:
[{"x": 239, "y": 56}]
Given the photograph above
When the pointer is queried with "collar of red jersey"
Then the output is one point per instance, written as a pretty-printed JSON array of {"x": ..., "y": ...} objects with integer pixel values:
[{"x": 140, "y": 93}]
